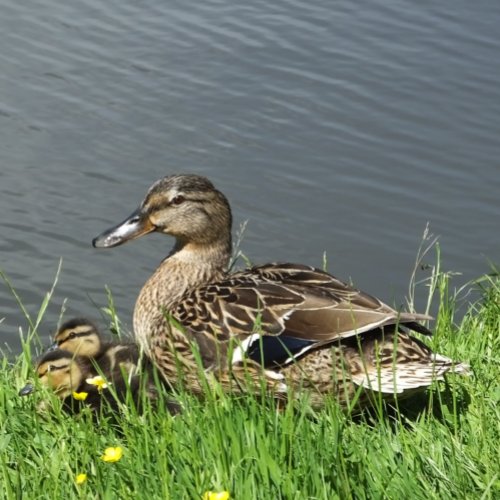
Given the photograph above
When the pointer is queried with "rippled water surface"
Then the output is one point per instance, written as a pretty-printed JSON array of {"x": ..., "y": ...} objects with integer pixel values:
[{"x": 337, "y": 127}]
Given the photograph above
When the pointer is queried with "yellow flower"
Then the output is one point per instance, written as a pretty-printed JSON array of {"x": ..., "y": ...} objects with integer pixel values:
[
  {"x": 112, "y": 454},
  {"x": 81, "y": 478},
  {"x": 216, "y": 495},
  {"x": 80, "y": 396},
  {"x": 98, "y": 381}
]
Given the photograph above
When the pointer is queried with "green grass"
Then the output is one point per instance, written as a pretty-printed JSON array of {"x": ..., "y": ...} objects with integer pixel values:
[{"x": 443, "y": 444}]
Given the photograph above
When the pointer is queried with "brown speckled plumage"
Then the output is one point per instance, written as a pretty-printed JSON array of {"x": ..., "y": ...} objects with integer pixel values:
[{"x": 288, "y": 326}]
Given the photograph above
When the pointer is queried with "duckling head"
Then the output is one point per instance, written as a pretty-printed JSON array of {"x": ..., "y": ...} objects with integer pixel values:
[
  {"x": 187, "y": 207},
  {"x": 60, "y": 371},
  {"x": 79, "y": 336}
]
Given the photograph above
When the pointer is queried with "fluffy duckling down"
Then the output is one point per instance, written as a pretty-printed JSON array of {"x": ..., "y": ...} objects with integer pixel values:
[
  {"x": 79, "y": 355},
  {"x": 66, "y": 375},
  {"x": 81, "y": 337},
  {"x": 79, "y": 383}
]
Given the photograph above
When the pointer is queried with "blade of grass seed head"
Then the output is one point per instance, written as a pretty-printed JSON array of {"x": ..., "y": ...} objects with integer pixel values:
[
  {"x": 237, "y": 244},
  {"x": 48, "y": 296},
  {"x": 426, "y": 244},
  {"x": 115, "y": 326},
  {"x": 43, "y": 307},
  {"x": 16, "y": 296},
  {"x": 102, "y": 313}
]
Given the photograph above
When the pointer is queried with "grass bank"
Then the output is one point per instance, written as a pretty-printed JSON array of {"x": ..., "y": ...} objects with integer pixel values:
[{"x": 443, "y": 444}]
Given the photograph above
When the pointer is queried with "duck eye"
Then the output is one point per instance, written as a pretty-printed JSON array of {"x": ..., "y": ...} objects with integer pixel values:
[
  {"x": 72, "y": 335},
  {"x": 177, "y": 200},
  {"x": 51, "y": 368}
]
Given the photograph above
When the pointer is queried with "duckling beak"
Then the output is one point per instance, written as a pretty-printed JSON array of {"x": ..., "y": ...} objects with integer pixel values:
[
  {"x": 137, "y": 224},
  {"x": 27, "y": 390},
  {"x": 53, "y": 347}
]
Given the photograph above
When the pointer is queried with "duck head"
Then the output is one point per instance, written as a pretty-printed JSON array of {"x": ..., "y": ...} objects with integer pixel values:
[
  {"x": 59, "y": 371},
  {"x": 78, "y": 336},
  {"x": 187, "y": 207}
]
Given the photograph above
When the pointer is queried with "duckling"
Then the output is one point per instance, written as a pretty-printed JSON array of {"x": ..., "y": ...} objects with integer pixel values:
[
  {"x": 79, "y": 383},
  {"x": 81, "y": 336},
  {"x": 191, "y": 309},
  {"x": 66, "y": 374},
  {"x": 115, "y": 360}
]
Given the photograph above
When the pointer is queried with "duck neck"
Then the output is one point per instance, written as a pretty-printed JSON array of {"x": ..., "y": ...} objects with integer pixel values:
[
  {"x": 187, "y": 267},
  {"x": 191, "y": 265}
]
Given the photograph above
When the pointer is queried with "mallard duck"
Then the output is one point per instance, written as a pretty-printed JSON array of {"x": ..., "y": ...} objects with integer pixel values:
[
  {"x": 79, "y": 383},
  {"x": 82, "y": 337},
  {"x": 286, "y": 326}
]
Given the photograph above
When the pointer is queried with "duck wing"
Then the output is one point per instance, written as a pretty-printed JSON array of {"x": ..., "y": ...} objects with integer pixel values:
[
  {"x": 328, "y": 298},
  {"x": 302, "y": 306},
  {"x": 396, "y": 363}
]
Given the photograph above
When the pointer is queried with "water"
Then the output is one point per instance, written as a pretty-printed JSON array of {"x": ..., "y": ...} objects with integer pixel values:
[{"x": 337, "y": 127}]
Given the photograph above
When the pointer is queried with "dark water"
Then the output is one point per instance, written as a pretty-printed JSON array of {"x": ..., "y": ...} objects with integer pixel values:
[{"x": 337, "y": 127}]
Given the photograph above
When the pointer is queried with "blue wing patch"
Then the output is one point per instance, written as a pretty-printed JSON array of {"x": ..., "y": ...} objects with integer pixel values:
[{"x": 281, "y": 350}]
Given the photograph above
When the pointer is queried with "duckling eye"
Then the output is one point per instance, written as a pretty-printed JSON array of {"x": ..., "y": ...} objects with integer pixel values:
[
  {"x": 72, "y": 335},
  {"x": 177, "y": 200},
  {"x": 51, "y": 368}
]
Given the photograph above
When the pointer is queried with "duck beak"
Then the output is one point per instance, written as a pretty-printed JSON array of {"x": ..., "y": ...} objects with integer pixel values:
[
  {"x": 137, "y": 224},
  {"x": 53, "y": 347},
  {"x": 27, "y": 390}
]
